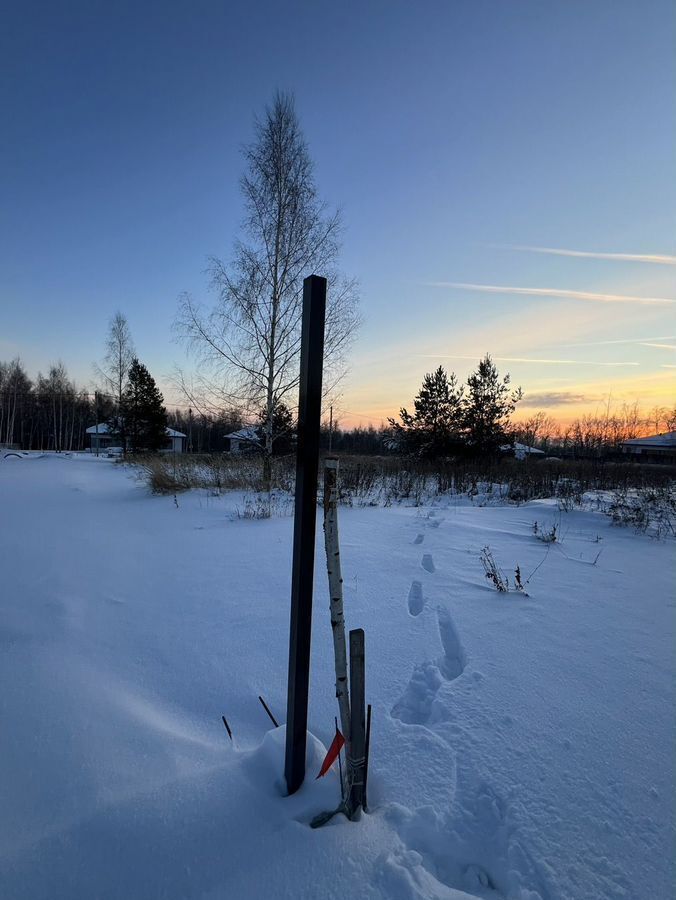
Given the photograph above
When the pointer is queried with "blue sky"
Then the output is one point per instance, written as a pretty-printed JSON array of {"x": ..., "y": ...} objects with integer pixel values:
[{"x": 448, "y": 133}]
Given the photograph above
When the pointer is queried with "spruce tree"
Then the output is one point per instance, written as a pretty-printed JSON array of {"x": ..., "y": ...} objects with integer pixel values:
[
  {"x": 488, "y": 405},
  {"x": 145, "y": 418},
  {"x": 284, "y": 427},
  {"x": 434, "y": 428}
]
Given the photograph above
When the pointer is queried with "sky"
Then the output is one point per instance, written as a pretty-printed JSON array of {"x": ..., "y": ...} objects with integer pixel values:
[{"x": 504, "y": 168}]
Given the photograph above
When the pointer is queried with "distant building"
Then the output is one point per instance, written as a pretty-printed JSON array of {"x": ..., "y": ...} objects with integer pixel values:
[
  {"x": 101, "y": 438},
  {"x": 243, "y": 441},
  {"x": 656, "y": 448},
  {"x": 521, "y": 451}
]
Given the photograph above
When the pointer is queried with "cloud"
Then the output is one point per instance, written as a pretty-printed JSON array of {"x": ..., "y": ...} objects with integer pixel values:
[
  {"x": 659, "y": 346},
  {"x": 557, "y": 293},
  {"x": 557, "y": 398},
  {"x": 530, "y": 359},
  {"x": 654, "y": 258},
  {"x": 644, "y": 341}
]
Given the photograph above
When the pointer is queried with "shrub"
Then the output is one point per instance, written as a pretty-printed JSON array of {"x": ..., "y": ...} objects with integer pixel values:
[
  {"x": 497, "y": 578},
  {"x": 647, "y": 510}
]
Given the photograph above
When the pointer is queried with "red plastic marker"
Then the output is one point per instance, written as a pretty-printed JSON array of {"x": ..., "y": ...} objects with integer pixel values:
[{"x": 332, "y": 754}]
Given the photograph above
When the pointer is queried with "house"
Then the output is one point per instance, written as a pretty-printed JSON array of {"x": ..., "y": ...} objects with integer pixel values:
[
  {"x": 243, "y": 441},
  {"x": 656, "y": 448},
  {"x": 101, "y": 438},
  {"x": 521, "y": 451}
]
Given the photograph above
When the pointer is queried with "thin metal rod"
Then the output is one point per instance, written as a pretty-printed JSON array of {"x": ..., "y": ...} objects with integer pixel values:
[
  {"x": 227, "y": 727},
  {"x": 267, "y": 710},
  {"x": 367, "y": 753},
  {"x": 340, "y": 767}
]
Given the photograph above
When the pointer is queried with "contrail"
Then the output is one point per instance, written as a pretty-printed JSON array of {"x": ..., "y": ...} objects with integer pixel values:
[
  {"x": 549, "y": 292},
  {"x": 646, "y": 340},
  {"x": 658, "y": 259},
  {"x": 530, "y": 359}
]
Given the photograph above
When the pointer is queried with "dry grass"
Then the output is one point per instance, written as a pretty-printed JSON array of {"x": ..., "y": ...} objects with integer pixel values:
[{"x": 382, "y": 481}]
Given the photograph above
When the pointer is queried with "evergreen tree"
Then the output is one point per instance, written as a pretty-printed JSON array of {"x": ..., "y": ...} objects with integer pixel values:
[
  {"x": 283, "y": 427},
  {"x": 434, "y": 428},
  {"x": 143, "y": 412},
  {"x": 488, "y": 406}
]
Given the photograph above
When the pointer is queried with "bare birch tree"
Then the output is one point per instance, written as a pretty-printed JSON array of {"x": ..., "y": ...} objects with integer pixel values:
[
  {"x": 249, "y": 343},
  {"x": 120, "y": 352},
  {"x": 118, "y": 357}
]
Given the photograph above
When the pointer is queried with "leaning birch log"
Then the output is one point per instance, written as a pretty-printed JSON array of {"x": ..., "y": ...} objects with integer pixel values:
[{"x": 336, "y": 594}]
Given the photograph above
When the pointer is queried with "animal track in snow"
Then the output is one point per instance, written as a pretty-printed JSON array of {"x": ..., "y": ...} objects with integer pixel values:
[
  {"x": 419, "y": 538},
  {"x": 415, "y": 705},
  {"x": 415, "y": 599},
  {"x": 428, "y": 563}
]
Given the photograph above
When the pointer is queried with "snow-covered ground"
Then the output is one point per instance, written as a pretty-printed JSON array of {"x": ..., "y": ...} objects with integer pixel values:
[{"x": 522, "y": 745}]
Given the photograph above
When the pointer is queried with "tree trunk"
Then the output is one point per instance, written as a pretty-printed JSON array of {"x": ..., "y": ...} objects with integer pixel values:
[{"x": 336, "y": 594}]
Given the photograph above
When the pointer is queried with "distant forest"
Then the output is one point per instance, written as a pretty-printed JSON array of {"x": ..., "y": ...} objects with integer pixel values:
[{"x": 52, "y": 413}]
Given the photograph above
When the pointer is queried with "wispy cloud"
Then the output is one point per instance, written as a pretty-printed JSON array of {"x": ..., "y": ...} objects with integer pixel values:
[
  {"x": 557, "y": 293},
  {"x": 557, "y": 398},
  {"x": 668, "y": 366},
  {"x": 530, "y": 359},
  {"x": 645, "y": 341},
  {"x": 659, "y": 259},
  {"x": 659, "y": 346}
]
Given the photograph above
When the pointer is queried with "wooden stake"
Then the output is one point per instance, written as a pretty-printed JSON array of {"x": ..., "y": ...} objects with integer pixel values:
[{"x": 357, "y": 758}]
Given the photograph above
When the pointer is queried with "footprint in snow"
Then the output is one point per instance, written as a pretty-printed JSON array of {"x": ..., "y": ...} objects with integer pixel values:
[
  {"x": 415, "y": 705},
  {"x": 419, "y": 538},
  {"x": 415, "y": 599},
  {"x": 474, "y": 847},
  {"x": 428, "y": 563}
]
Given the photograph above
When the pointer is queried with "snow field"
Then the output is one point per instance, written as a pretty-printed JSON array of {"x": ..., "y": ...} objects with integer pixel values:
[{"x": 522, "y": 745}]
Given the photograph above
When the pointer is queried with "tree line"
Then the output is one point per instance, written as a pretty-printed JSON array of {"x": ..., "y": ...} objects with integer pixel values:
[
  {"x": 47, "y": 413},
  {"x": 475, "y": 419},
  {"x": 453, "y": 419}
]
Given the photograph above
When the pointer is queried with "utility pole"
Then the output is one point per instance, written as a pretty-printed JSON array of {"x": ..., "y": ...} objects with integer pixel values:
[
  {"x": 96, "y": 404},
  {"x": 305, "y": 520}
]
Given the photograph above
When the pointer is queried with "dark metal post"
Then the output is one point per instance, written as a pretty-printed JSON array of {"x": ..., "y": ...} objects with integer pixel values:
[
  {"x": 96, "y": 404},
  {"x": 307, "y": 464},
  {"x": 357, "y": 720}
]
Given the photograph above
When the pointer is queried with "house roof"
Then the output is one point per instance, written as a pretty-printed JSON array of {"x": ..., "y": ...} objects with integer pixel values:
[
  {"x": 655, "y": 441},
  {"x": 246, "y": 434},
  {"x": 522, "y": 448},
  {"x": 104, "y": 428}
]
